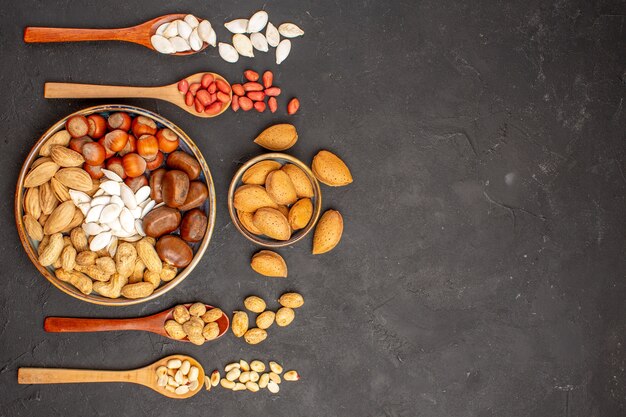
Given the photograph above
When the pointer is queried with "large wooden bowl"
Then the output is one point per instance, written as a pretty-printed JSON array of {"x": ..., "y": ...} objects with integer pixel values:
[{"x": 199, "y": 248}]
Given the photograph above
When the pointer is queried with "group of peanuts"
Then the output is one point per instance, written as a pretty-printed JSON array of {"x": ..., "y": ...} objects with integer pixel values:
[{"x": 241, "y": 376}]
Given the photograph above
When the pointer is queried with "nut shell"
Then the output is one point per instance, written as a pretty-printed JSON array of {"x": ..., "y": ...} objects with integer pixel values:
[
  {"x": 269, "y": 263},
  {"x": 272, "y": 223},
  {"x": 330, "y": 169},
  {"x": 327, "y": 232}
]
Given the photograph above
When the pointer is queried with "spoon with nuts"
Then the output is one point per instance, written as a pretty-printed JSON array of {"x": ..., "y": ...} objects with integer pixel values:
[
  {"x": 141, "y": 34},
  {"x": 196, "y": 101},
  {"x": 152, "y": 376},
  {"x": 196, "y": 323}
]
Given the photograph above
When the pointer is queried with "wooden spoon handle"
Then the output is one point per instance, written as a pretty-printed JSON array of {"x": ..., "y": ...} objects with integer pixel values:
[
  {"x": 71, "y": 90},
  {"x": 68, "y": 324},
  {"x": 44, "y": 35},
  {"x": 70, "y": 376}
]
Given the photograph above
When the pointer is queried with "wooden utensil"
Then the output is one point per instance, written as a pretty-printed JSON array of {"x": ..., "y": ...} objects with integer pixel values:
[
  {"x": 166, "y": 92},
  {"x": 143, "y": 376},
  {"x": 139, "y": 34},
  {"x": 154, "y": 324}
]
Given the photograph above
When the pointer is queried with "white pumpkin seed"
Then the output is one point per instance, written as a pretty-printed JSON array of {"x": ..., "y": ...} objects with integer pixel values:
[
  {"x": 259, "y": 42},
  {"x": 84, "y": 208},
  {"x": 112, "y": 246},
  {"x": 101, "y": 200},
  {"x": 282, "y": 50},
  {"x": 184, "y": 30},
  {"x": 98, "y": 193},
  {"x": 78, "y": 197},
  {"x": 142, "y": 194},
  {"x": 289, "y": 30},
  {"x": 212, "y": 38},
  {"x": 194, "y": 40},
  {"x": 128, "y": 197},
  {"x": 161, "y": 29},
  {"x": 151, "y": 204},
  {"x": 237, "y": 26},
  {"x": 110, "y": 213},
  {"x": 204, "y": 30},
  {"x": 257, "y": 22},
  {"x": 116, "y": 227},
  {"x": 171, "y": 30},
  {"x": 111, "y": 175},
  {"x": 243, "y": 45},
  {"x": 92, "y": 229},
  {"x": 127, "y": 220},
  {"x": 161, "y": 44},
  {"x": 179, "y": 44},
  {"x": 94, "y": 214},
  {"x": 100, "y": 241},
  {"x": 136, "y": 212},
  {"x": 228, "y": 53},
  {"x": 111, "y": 187},
  {"x": 139, "y": 227},
  {"x": 117, "y": 200},
  {"x": 192, "y": 21},
  {"x": 272, "y": 35}
]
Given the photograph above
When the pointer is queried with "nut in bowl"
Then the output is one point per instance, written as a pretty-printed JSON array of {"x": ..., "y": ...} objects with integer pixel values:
[
  {"x": 274, "y": 200},
  {"x": 115, "y": 205}
]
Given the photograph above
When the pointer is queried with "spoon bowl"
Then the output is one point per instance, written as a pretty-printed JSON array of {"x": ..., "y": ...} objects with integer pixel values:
[
  {"x": 154, "y": 324},
  {"x": 168, "y": 92},
  {"x": 139, "y": 34},
  {"x": 145, "y": 376}
]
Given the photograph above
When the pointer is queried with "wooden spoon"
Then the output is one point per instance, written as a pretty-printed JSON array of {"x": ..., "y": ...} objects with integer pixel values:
[
  {"x": 136, "y": 34},
  {"x": 166, "y": 92},
  {"x": 144, "y": 376},
  {"x": 154, "y": 324}
]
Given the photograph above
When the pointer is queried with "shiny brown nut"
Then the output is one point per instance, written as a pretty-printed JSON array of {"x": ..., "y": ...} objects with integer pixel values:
[
  {"x": 193, "y": 226},
  {"x": 197, "y": 195},
  {"x": 184, "y": 162},
  {"x": 175, "y": 187},
  {"x": 156, "y": 180},
  {"x": 161, "y": 221},
  {"x": 136, "y": 182},
  {"x": 174, "y": 251}
]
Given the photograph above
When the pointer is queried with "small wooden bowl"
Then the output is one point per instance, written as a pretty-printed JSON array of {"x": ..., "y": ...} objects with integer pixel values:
[
  {"x": 263, "y": 240},
  {"x": 199, "y": 248}
]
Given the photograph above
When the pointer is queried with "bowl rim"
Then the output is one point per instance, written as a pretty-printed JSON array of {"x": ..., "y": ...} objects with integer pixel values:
[
  {"x": 317, "y": 203},
  {"x": 69, "y": 289}
]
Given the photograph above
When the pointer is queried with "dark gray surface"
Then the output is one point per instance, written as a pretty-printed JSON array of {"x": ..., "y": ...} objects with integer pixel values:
[{"x": 482, "y": 267}]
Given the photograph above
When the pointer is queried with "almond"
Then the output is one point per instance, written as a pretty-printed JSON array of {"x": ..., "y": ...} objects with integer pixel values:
[
  {"x": 300, "y": 180},
  {"x": 327, "y": 232},
  {"x": 41, "y": 174},
  {"x": 31, "y": 202},
  {"x": 257, "y": 173},
  {"x": 250, "y": 198},
  {"x": 47, "y": 199},
  {"x": 280, "y": 188},
  {"x": 60, "y": 218},
  {"x": 269, "y": 263},
  {"x": 61, "y": 138},
  {"x": 272, "y": 223},
  {"x": 33, "y": 228},
  {"x": 330, "y": 169},
  {"x": 300, "y": 214},
  {"x": 278, "y": 137},
  {"x": 60, "y": 191},
  {"x": 246, "y": 221},
  {"x": 75, "y": 178},
  {"x": 254, "y": 304},
  {"x": 66, "y": 157},
  {"x": 284, "y": 210},
  {"x": 77, "y": 220},
  {"x": 239, "y": 324}
]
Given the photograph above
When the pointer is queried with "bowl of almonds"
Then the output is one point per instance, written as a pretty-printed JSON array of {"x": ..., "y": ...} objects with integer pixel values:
[{"x": 115, "y": 205}]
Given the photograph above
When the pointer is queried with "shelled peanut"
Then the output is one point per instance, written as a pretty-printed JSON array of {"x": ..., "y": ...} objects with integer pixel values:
[
  {"x": 252, "y": 94},
  {"x": 265, "y": 318},
  {"x": 253, "y": 376},
  {"x": 179, "y": 377},
  {"x": 211, "y": 95},
  {"x": 195, "y": 323}
]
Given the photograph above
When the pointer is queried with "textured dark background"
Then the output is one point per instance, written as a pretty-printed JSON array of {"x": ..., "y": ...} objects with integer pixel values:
[{"x": 482, "y": 267}]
